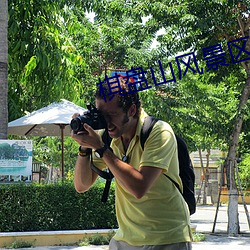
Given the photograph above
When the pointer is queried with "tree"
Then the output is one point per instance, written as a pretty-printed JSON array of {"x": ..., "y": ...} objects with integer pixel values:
[
  {"x": 225, "y": 27},
  {"x": 53, "y": 46},
  {"x": 232, "y": 157},
  {"x": 3, "y": 69},
  {"x": 41, "y": 56},
  {"x": 55, "y": 52}
]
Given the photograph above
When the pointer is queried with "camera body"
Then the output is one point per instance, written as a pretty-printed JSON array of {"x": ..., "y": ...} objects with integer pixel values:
[{"x": 92, "y": 117}]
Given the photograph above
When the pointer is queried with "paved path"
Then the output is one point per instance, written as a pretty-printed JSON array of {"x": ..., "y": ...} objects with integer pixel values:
[{"x": 203, "y": 219}]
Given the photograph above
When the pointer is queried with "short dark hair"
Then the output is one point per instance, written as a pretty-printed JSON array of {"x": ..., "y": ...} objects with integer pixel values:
[{"x": 126, "y": 97}]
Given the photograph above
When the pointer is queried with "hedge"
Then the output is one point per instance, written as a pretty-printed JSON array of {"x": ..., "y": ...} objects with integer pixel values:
[{"x": 33, "y": 207}]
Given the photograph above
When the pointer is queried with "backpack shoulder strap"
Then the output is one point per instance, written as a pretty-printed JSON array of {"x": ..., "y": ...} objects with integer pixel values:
[{"x": 147, "y": 127}]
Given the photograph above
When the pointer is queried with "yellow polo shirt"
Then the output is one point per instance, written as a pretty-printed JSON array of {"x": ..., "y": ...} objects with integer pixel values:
[{"x": 161, "y": 216}]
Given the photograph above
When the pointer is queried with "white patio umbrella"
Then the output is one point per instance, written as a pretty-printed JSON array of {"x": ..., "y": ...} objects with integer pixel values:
[{"x": 52, "y": 120}]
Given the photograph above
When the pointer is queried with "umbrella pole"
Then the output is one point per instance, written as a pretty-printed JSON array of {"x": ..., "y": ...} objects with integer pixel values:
[{"x": 62, "y": 126}]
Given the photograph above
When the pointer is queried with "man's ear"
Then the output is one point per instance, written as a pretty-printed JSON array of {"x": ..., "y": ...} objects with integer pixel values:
[{"x": 132, "y": 110}]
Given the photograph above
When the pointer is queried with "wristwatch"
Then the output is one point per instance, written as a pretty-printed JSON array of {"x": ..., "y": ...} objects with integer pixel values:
[{"x": 100, "y": 151}]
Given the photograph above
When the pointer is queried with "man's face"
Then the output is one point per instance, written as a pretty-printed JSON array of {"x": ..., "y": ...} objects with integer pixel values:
[{"x": 117, "y": 120}]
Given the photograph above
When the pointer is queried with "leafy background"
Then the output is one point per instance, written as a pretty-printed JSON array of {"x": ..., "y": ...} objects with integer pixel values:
[{"x": 56, "y": 52}]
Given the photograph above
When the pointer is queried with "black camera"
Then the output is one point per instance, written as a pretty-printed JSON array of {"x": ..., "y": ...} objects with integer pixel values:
[{"x": 92, "y": 117}]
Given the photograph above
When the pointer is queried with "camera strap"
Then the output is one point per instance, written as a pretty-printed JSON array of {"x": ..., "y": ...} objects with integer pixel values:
[{"x": 107, "y": 175}]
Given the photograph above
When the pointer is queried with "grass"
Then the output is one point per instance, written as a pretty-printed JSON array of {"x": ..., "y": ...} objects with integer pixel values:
[
  {"x": 19, "y": 244},
  {"x": 97, "y": 239},
  {"x": 197, "y": 237}
]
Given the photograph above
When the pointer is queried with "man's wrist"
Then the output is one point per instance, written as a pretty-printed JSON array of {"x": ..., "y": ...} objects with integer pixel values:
[
  {"x": 100, "y": 151},
  {"x": 84, "y": 152}
]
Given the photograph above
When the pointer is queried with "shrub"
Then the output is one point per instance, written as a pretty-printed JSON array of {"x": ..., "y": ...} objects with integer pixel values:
[{"x": 58, "y": 206}]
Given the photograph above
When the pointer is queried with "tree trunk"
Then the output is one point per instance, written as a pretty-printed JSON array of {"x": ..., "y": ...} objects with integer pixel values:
[
  {"x": 207, "y": 172},
  {"x": 233, "y": 219},
  {"x": 3, "y": 69},
  {"x": 233, "y": 227}
]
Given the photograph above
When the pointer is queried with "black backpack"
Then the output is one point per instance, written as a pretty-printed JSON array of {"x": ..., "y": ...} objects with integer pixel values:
[{"x": 185, "y": 165}]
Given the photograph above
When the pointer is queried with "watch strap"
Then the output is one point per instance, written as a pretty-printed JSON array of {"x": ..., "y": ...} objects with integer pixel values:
[
  {"x": 84, "y": 153},
  {"x": 100, "y": 151}
]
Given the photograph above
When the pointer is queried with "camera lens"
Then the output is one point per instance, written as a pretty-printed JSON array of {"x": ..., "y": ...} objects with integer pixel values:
[{"x": 76, "y": 124}]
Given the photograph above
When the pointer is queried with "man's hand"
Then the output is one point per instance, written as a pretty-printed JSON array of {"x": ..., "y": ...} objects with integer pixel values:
[{"x": 88, "y": 138}]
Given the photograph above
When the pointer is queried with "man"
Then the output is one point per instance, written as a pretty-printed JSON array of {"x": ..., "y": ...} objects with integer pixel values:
[{"x": 150, "y": 210}]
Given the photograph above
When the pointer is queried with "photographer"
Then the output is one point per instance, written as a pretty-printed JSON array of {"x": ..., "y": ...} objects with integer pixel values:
[{"x": 150, "y": 210}]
